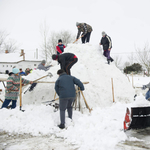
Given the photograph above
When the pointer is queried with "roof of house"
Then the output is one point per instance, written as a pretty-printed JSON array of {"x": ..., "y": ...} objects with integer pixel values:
[{"x": 15, "y": 58}]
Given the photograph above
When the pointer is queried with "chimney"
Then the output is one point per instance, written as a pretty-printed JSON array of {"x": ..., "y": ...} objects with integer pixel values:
[
  {"x": 6, "y": 51},
  {"x": 36, "y": 53},
  {"x": 22, "y": 54}
]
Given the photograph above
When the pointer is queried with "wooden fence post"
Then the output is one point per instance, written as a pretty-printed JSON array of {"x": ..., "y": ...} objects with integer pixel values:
[
  {"x": 20, "y": 92},
  {"x": 132, "y": 80},
  {"x": 112, "y": 90}
]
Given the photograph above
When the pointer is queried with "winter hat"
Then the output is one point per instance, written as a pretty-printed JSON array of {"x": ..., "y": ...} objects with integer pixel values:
[
  {"x": 15, "y": 70},
  {"x": 60, "y": 71},
  {"x": 59, "y": 41},
  {"x": 103, "y": 33},
  {"x": 54, "y": 57},
  {"x": 43, "y": 62},
  {"x": 77, "y": 23}
]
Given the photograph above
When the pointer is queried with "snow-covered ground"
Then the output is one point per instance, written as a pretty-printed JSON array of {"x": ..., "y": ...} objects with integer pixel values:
[{"x": 102, "y": 129}]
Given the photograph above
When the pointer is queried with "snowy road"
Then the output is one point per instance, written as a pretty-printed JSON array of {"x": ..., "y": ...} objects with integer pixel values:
[{"x": 28, "y": 142}]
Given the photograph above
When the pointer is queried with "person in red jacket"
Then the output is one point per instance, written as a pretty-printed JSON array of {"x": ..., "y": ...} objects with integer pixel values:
[{"x": 60, "y": 47}]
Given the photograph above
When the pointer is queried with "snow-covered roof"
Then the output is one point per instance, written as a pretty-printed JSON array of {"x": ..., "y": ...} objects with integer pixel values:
[{"x": 15, "y": 57}]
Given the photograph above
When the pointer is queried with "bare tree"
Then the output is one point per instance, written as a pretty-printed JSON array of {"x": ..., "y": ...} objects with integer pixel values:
[
  {"x": 44, "y": 30},
  {"x": 117, "y": 60},
  {"x": 3, "y": 35},
  {"x": 143, "y": 57},
  {"x": 66, "y": 37},
  {"x": 10, "y": 45},
  {"x": 131, "y": 58},
  {"x": 51, "y": 40}
]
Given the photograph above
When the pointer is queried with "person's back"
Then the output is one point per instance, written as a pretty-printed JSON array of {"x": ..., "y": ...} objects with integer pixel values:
[{"x": 65, "y": 85}]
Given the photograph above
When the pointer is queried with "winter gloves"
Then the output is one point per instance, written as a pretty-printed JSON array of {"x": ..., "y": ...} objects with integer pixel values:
[{"x": 144, "y": 87}]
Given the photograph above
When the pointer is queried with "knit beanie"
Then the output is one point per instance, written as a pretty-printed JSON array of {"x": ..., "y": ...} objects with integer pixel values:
[
  {"x": 15, "y": 70},
  {"x": 59, "y": 41},
  {"x": 103, "y": 33},
  {"x": 54, "y": 56},
  {"x": 43, "y": 62},
  {"x": 77, "y": 23}
]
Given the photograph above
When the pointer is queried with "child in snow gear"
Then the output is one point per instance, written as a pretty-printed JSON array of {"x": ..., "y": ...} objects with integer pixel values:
[
  {"x": 12, "y": 88},
  {"x": 66, "y": 93},
  {"x": 21, "y": 72},
  {"x": 66, "y": 60},
  {"x": 107, "y": 45},
  {"x": 86, "y": 29},
  {"x": 60, "y": 47},
  {"x": 41, "y": 66}
]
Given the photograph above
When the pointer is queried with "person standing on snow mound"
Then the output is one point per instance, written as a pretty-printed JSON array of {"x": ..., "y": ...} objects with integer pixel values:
[
  {"x": 60, "y": 47},
  {"x": 86, "y": 29},
  {"x": 66, "y": 60},
  {"x": 12, "y": 88},
  {"x": 64, "y": 87},
  {"x": 107, "y": 45},
  {"x": 41, "y": 66}
]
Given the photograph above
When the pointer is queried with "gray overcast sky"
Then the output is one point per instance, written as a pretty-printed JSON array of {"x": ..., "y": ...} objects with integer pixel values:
[{"x": 125, "y": 21}]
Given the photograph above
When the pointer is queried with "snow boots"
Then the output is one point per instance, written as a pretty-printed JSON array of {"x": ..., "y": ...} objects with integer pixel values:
[
  {"x": 61, "y": 126},
  {"x": 110, "y": 60}
]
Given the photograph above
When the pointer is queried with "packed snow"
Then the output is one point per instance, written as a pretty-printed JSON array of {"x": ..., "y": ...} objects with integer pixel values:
[{"x": 100, "y": 129}]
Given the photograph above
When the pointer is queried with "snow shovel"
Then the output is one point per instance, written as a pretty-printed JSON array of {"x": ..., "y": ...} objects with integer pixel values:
[
  {"x": 47, "y": 102},
  {"x": 52, "y": 104},
  {"x": 77, "y": 39}
]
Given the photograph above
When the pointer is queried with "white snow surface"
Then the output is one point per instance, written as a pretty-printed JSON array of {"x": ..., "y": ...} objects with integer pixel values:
[{"x": 100, "y": 129}]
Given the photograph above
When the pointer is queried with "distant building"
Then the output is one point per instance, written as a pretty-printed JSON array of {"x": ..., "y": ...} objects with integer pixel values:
[{"x": 9, "y": 60}]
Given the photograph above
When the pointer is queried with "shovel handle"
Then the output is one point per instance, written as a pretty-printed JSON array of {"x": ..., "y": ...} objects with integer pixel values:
[{"x": 77, "y": 39}]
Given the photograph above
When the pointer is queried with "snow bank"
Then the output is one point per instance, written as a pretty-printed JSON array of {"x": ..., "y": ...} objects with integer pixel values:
[{"x": 100, "y": 129}]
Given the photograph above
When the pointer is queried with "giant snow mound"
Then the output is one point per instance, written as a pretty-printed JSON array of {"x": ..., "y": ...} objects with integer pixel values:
[{"x": 90, "y": 67}]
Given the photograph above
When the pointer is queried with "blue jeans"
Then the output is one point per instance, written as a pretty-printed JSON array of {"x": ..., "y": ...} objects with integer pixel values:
[
  {"x": 6, "y": 103},
  {"x": 63, "y": 105}
]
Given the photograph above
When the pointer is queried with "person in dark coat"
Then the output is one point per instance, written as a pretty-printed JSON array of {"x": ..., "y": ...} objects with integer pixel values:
[
  {"x": 86, "y": 31},
  {"x": 65, "y": 89},
  {"x": 66, "y": 60},
  {"x": 107, "y": 45},
  {"x": 41, "y": 66},
  {"x": 60, "y": 47}
]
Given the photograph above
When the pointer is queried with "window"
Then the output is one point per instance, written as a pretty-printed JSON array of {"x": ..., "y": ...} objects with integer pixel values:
[
  {"x": 3, "y": 65},
  {"x": 34, "y": 64},
  {"x": 7, "y": 65},
  {"x": 10, "y": 65}
]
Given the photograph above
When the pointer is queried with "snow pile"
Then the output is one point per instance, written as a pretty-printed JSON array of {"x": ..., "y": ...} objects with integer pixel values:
[
  {"x": 100, "y": 129},
  {"x": 90, "y": 67}
]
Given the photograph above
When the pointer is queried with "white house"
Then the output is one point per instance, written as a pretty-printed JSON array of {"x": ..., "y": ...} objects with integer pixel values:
[{"x": 9, "y": 60}]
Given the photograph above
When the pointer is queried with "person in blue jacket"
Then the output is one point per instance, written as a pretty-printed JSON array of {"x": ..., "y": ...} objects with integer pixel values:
[
  {"x": 65, "y": 89},
  {"x": 147, "y": 95},
  {"x": 21, "y": 72}
]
